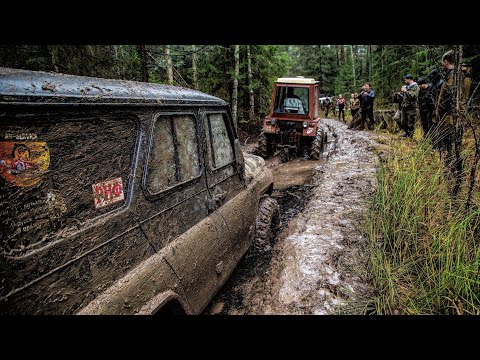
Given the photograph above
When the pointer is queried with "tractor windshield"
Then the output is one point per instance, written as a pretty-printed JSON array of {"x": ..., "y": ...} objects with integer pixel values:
[{"x": 291, "y": 99}]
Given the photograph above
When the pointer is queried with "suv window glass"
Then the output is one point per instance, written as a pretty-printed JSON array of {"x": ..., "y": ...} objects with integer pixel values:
[
  {"x": 221, "y": 151},
  {"x": 174, "y": 155}
]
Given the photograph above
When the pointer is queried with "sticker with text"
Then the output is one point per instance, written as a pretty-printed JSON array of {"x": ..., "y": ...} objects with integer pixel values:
[{"x": 108, "y": 192}]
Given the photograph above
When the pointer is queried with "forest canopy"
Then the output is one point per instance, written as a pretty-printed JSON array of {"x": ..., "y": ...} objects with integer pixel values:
[{"x": 242, "y": 74}]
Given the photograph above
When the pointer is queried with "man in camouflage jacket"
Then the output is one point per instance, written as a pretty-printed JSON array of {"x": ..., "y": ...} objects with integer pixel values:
[{"x": 409, "y": 105}]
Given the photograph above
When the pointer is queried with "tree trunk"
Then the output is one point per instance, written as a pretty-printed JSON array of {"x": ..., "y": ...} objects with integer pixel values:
[
  {"x": 116, "y": 56},
  {"x": 383, "y": 74},
  {"x": 251, "y": 113},
  {"x": 142, "y": 52},
  {"x": 194, "y": 68},
  {"x": 353, "y": 69},
  {"x": 369, "y": 62},
  {"x": 90, "y": 49},
  {"x": 320, "y": 67},
  {"x": 336, "y": 51},
  {"x": 51, "y": 53},
  {"x": 166, "y": 52},
  {"x": 458, "y": 80},
  {"x": 235, "y": 82},
  {"x": 342, "y": 54},
  {"x": 458, "y": 123}
]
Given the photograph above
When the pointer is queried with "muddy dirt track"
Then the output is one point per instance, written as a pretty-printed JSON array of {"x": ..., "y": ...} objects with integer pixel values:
[{"x": 318, "y": 262}]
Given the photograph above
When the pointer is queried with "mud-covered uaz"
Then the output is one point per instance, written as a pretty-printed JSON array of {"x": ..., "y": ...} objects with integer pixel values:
[{"x": 121, "y": 197}]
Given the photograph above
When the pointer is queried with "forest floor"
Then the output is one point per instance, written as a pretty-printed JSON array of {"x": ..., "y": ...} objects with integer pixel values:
[{"x": 319, "y": 257}]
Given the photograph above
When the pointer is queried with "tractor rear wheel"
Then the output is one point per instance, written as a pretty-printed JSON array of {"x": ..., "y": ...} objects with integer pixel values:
[{"x": 316, "y": 148}]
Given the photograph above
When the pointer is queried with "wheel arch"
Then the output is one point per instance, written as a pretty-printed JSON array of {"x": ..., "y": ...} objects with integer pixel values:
[{"x": 165, "y": 303}]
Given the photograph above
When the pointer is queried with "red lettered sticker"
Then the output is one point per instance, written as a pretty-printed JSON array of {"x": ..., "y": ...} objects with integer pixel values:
[{"x": 108, "y": 192}]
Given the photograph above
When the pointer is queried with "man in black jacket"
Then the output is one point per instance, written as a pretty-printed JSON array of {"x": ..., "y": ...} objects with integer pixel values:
[
  {"x": 366, "y": 97},
  {"x": 435, "y": 78},
  {"x": 426, "y": 104}
]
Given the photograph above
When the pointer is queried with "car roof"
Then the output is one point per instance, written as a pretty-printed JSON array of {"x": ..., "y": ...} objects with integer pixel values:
[{"x": 26, "y": 86}]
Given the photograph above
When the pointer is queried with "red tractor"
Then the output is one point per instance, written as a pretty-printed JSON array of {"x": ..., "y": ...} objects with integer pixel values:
[{"x": 293, "y": 123}]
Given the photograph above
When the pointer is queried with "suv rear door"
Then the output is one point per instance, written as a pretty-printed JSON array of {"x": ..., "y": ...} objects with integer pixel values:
[
  {"x": 212, "y": 251},
  {"x": 66, "y": 184}
]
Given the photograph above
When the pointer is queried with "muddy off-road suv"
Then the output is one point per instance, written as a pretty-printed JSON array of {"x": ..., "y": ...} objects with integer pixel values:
[{"x": 121, "y": 197}]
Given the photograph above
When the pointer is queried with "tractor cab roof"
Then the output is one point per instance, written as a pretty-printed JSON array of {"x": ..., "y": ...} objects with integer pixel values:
[{"x": 297, "y": 80}]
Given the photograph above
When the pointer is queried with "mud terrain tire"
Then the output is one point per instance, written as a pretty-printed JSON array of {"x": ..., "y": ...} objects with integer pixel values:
[
  {"x": 316, "y": 149},
  {"x": 268, "y": 219},
  {"x": 263, "y": 146}
]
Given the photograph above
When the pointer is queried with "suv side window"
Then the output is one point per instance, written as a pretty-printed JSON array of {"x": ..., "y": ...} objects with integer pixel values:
[
  {"x": 174, "y": 155},
  {"x": 220, "y": 149}
]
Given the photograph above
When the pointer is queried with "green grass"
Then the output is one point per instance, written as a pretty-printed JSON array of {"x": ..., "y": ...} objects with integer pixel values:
[{"x": 424, "y": 247}]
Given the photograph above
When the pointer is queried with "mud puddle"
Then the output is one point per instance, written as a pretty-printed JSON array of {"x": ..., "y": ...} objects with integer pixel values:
[{"x": 317, "y": 264}]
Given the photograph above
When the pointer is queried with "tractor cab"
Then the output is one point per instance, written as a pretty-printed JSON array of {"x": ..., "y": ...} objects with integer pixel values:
[{"x": 293, "y": 119}]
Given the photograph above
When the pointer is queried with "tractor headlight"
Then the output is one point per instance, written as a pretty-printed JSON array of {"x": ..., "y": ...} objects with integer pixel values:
[
  {"x": 305, "y": 124},
  {"x": 274, "y": 121}
]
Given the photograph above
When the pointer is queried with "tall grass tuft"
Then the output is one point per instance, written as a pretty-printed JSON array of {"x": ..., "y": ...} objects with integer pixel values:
[{"x": 424, "y": 247}]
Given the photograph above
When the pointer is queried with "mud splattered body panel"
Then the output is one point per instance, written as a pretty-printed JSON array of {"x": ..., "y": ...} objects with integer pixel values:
[{"x": 94, "y": 221}]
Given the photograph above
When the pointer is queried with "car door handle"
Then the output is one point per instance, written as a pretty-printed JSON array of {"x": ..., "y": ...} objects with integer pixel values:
[
  {"x": 219, "y": 197},
  {"x": 215, "y": 201}
]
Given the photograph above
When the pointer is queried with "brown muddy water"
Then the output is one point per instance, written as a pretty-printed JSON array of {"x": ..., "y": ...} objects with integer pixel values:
[{"x": 318, "y": 261}]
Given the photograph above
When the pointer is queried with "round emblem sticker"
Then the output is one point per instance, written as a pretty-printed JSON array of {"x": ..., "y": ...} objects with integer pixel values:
[{"x": 23, "y": 163}]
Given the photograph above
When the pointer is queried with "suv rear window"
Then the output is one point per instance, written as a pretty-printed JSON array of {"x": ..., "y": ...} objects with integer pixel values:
[
  {"x": 291, "y": 99},
  {"x": 58, "y": 172},
  {"x": 174, "y": 155}
]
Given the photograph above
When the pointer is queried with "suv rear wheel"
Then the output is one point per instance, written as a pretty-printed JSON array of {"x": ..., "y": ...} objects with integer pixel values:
[{"x": 268, "y": 219}]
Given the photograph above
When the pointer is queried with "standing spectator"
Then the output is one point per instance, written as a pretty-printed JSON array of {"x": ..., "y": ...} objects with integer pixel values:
[
  {"x": 334, "y": 106},
  {"x": 341, "y": 107},
  {"x": 446, "y": 112},
  {"x": 409, "y": 106},
  {"x": 398, "y": 99},
  {"x": 426, "y": 104},
  {"x": 354, "y": 107},
  {"x": 367, "y": 96},
  {"x": 435, "y": 78},
  {"x": 327, "y": 106}
]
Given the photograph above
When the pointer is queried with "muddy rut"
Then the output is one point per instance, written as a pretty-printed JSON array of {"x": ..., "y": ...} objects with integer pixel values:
[{"x": 318, "y": 262}]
